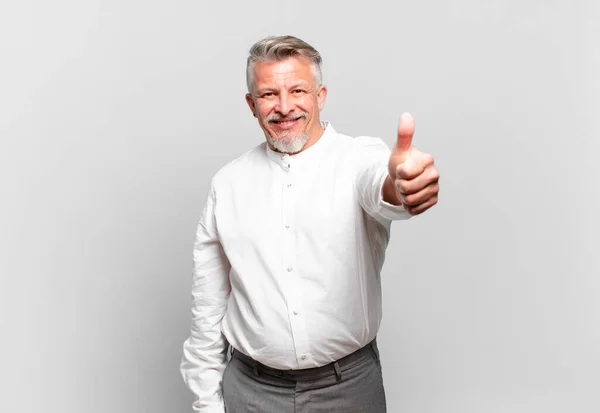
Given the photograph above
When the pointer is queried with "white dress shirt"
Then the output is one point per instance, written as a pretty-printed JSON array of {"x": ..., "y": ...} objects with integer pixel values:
[{"x": 287, "y": 259}]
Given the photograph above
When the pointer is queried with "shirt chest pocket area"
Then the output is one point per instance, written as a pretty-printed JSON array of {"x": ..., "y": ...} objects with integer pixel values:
[
  {"x": 247, "y": 222},
  {"x": 326, "y": 214}
]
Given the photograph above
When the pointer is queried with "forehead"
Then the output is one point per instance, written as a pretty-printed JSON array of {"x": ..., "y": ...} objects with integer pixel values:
[{"x": 292, "y": 69}]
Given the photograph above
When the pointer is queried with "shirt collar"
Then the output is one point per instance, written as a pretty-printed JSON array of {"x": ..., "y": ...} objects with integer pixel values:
[{"x": 311, "y": 153}]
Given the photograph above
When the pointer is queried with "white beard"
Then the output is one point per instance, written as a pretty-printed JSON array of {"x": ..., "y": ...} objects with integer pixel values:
[{"x": 289, "y": 144}]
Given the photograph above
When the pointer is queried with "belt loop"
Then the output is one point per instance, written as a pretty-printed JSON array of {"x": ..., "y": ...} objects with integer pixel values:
[
  {"x": 255, "y": 368},
  {"x": 338, "y": 372}
]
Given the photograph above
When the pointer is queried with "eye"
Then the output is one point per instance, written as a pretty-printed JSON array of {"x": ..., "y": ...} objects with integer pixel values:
[
  {"x": 267, "y": 94},
  {"x": 297, "y": 91}
]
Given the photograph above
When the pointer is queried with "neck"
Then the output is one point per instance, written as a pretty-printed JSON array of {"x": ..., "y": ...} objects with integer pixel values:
[{"x": 314, "y": 137}]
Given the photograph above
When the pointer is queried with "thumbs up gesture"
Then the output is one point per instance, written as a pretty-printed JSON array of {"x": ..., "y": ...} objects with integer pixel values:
[{"x": 413, "y": 179}]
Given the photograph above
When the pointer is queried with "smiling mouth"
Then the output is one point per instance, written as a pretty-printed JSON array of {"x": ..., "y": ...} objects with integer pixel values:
[
  {"x": 285, "y": 121},
  {"x": 286, "y": 124}
]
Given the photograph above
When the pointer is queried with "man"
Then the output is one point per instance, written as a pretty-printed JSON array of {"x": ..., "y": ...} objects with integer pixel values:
[{"x": 289, "y": 250}]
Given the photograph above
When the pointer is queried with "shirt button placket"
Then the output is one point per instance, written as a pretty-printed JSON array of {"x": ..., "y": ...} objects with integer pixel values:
[
  {"x": 287, "y": 218},
  {"x": 293, "y": 281}
]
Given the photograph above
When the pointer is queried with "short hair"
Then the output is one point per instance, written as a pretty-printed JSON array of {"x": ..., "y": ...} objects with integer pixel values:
[{"x": 277, "y": 48}]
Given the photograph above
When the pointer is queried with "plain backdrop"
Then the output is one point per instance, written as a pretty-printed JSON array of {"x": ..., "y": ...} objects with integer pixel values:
[{"x": 115, "y": 114}]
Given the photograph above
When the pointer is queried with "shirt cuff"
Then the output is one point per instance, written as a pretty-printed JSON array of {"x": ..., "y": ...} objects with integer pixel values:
[
  {"x": 387, "y": 210},
  {"x": 210, "y": 408}
]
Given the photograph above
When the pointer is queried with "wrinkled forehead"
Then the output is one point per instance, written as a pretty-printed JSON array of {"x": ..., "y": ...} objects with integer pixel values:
[{"x": 295, "y": 69}]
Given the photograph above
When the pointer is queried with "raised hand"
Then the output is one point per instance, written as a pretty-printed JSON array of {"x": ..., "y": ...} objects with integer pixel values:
[{"x": 411, "y": 171}]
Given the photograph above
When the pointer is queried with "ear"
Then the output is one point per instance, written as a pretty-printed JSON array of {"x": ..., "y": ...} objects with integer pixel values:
[
  {"x": 250, "y": 102},
  {"x": 321, "y": 95}
]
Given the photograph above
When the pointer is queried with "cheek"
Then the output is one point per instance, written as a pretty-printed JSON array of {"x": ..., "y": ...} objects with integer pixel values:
[
  {"x": 262, "y": 117},
  {"x": 264, "y": 110},
  {"x": 307, "y": 106}
]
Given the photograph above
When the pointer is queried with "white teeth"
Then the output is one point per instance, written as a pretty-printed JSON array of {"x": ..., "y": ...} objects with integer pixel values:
[{"x": 285, "y": 121}]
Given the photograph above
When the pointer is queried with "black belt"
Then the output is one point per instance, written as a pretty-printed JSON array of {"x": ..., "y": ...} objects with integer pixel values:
[{"x": 313, "y": 373}]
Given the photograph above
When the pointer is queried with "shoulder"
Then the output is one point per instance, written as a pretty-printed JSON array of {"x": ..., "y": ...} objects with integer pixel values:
[
  {"x": 241, "y": 166},
  {"x": 370, "y": 149},
  {"x": 359, "y": 153},
  {"x": 369, "y": 142},
  {"x": 359, "y": 145},
  {"x": 355, "y": 143}
]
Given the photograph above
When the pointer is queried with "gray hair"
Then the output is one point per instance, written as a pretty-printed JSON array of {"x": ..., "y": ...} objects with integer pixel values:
[{"x": 280, "y": 48}]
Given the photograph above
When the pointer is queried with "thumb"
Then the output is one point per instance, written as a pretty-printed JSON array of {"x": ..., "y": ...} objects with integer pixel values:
[{"x": 406, "y": 129}]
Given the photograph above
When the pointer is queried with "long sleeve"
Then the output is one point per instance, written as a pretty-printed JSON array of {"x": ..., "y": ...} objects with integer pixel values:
[
  {"x": 205, "y": 351},
  {"x": 371, "y": 158}
]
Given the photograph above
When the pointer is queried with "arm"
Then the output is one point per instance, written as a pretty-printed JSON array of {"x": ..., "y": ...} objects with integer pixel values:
[
  {"x": 374, "y": 188},
  {"x": 204, "y": 352},
  {"x": 409, "y": 184}
]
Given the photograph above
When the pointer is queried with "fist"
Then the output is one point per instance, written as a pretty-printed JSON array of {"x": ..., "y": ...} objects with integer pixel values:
[{"x": 412, "y": 172}]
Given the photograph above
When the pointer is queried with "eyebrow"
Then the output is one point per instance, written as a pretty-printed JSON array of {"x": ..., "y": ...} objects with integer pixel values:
[
  {"x": 264, "y": 89},
  {"x": 298, "y": 84}
]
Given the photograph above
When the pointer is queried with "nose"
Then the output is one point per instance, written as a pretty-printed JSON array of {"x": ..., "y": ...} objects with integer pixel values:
[{"x": 284, "y": 104}]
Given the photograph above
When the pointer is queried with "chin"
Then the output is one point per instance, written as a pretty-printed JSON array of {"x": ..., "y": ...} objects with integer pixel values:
[{"x": 288, "y": 145}]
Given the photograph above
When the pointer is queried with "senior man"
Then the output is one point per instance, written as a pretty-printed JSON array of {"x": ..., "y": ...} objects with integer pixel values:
[{"x": 289, "y": 248}]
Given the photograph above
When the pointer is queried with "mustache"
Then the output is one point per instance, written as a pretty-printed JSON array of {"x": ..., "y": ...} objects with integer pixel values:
[{"x": 293, "y": 116}]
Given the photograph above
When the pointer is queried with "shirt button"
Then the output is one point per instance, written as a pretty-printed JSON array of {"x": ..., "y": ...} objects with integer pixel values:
[
  {"x": 287, "y": 227},
  {"x": 303, "y": 357},
  {"x": 295, "y": 312},
  {"x": 290, "y": 269},
  {"x": 288, "y": 185}
]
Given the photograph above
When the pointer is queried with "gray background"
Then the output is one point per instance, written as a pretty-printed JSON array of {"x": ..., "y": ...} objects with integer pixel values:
[{"x": 115, "y": 114}]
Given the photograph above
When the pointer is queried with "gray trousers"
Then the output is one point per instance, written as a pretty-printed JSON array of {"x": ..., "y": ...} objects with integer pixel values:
[{"x": 354, "y": 384}]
